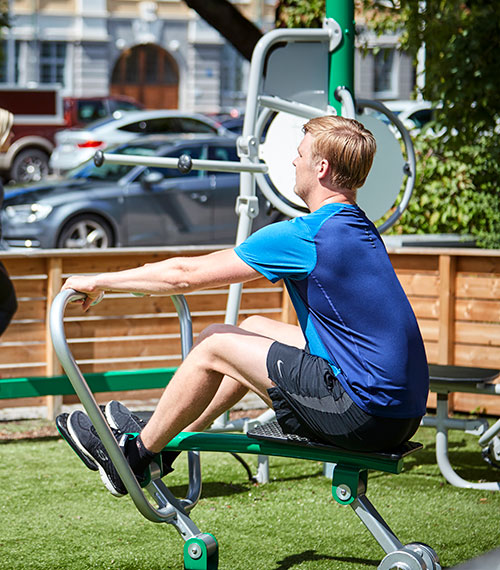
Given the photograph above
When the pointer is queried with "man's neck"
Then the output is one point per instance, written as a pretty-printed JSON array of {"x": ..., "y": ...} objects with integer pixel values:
[{"x": 332, "y": 197}]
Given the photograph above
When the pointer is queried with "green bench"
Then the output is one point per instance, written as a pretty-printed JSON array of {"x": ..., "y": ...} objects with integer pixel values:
[{"x": 60, "y": 385}]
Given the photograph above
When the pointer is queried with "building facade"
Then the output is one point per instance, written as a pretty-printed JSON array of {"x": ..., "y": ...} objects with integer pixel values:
[{"x": 161, "y": 53}]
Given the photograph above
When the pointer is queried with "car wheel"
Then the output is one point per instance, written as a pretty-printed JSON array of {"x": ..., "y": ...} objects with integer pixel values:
[
  {"x": 86, "y": 232},
  {"x": 30, "y": 165}
]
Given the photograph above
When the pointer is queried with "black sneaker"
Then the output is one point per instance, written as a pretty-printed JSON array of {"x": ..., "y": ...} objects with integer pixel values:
[
  {"x": 121, "y": 418},
  {"x": 62, "y": 428},
  {"x": 86, "y": 439}
]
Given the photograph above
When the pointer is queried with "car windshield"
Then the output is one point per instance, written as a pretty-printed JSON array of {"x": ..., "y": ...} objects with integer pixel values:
[{"x": 109, "y": 171}]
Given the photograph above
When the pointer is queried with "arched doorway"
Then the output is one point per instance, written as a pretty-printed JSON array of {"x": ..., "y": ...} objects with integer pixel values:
[{"x": 149, "y": 74}]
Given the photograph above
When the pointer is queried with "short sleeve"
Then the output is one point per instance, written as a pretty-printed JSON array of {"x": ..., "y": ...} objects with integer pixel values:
[{"x": 280, "y": 250}]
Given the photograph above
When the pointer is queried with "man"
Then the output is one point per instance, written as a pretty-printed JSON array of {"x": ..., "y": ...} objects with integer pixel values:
[{"x": 354, "y": 374}]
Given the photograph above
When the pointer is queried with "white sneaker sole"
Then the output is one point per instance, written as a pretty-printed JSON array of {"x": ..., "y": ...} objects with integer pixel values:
[{"x": 104, "y": 477}]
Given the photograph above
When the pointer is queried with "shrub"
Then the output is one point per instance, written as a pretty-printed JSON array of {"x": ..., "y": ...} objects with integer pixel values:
[{"x": 456, "y": 191}]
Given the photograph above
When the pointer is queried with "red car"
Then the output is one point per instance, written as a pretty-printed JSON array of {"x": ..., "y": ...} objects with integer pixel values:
[{"x": 38, "y": 114}]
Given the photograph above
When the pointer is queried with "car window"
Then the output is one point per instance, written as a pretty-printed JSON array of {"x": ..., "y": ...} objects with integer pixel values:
[
  {"x": 118, "y": 105},
  {"x": 196, "y": 152},
  {"x": 188, "y": 125},
  {"x": 226, "y": 153},
  {"x": 136, "y": 127},
  {"x": 112, "y": 172},
  {"x": 161, "y": 125},
  {"x": 420, "y": 118},
  {"x": 91, "y": 110}
]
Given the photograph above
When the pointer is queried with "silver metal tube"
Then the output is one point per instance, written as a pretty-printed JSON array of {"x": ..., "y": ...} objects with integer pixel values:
[
  {"x": 442, "y": 452},
  {"x": 490, "y": 433},
  {"x": 375, "y": 524},
  {"x": 87, "y": 399},
  {"x": 196, "y": 164},
  {"x": 347, "y": 102},
  {"x": 294, "y": 108},
  {"x": 165, "y": 513},
  {"x": 410, "y": 159}
]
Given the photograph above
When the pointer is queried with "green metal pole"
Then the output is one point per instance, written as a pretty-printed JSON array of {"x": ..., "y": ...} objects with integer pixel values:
[{"x": 342, "y": 59}]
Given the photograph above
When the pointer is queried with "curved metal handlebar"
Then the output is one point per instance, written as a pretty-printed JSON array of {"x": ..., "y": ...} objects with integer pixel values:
[
  {"x": 411, "y": 160},
  {"x": 167, "y": 512}
]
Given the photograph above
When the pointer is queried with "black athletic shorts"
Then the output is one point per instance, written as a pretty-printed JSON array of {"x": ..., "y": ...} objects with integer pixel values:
[{"x": 310, "y": 401}]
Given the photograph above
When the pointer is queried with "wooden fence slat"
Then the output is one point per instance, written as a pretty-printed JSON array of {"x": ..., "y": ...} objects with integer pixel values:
[
  {"x": 477, "y": 310},
  {"x": 478, "y": 287},
  {"x": 487, "y": 334},
  {"x": 479, "y": 261},
  {"x": 419, "y": 283},
  {"x": 425, "y": 307}
]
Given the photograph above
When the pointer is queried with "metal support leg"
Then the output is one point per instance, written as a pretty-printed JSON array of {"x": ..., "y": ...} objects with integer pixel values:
[
  {"x": 375, "y": 524},
  {"x": 442, "y": 451},
  {"x": 201, "y": 553}
]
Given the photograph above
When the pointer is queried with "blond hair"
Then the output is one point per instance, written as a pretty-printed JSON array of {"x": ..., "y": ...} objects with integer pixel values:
[{"x": 348, "y": 147}]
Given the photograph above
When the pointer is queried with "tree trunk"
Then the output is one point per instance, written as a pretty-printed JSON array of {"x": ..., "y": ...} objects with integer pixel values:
[{"x": 230, "y": 23}]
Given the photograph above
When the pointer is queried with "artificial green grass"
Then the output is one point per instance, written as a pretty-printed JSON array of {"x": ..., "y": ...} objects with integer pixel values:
[{"x": 56, "y": 514}]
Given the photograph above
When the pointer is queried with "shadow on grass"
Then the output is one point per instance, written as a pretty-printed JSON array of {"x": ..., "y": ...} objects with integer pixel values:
[
  {"x": 313, "y": 556},
  {"x": 213, "y": 489},
  {"x": 467, "y": 463}
]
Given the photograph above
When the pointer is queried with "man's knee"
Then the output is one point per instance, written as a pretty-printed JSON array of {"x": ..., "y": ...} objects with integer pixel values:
[
  {"x": 257, "y": 324},
  {"x": 211, "y": 330}
]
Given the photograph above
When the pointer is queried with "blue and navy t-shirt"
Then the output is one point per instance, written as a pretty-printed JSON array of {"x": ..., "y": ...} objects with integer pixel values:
[{"x": 350, "y": 305}]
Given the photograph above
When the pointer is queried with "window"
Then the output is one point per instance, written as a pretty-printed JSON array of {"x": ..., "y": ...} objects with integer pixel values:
[
  {"x": 121, "y": 105},
  {"x": 90, "y": 110},
  {"x": 225, "y": 153},
  {"x": 193, "y": 126},
  {"x": 52, "y": 62},
  {"x": 420, "y": 118},
  {"x": 9, "y": 72},
  {"x": 385, "y": 73},
  {"x": 196, "y": 152}
]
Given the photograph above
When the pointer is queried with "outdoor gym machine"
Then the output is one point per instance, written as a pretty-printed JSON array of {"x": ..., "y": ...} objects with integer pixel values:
[
  {"x": 282, "y": 82},
  {"x": 285, "y": 87}
]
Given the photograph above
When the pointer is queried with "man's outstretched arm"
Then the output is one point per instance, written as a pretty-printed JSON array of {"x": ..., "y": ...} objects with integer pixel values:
[{"x": 169, "y": 277}]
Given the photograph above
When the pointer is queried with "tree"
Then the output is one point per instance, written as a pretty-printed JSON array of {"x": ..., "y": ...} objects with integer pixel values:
[
  {"x": 230, "y": 23},
  {"x": 4, "y": 13},
  {"x": 461, "y": 39},
  {"x": 457, "y": 172}
]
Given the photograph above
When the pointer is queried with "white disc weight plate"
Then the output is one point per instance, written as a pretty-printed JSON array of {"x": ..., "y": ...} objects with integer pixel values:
[{"x": 382, "y": 186}]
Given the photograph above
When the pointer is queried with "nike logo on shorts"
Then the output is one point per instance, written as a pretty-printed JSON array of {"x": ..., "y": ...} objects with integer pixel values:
[{"x": 279, "y": 364}]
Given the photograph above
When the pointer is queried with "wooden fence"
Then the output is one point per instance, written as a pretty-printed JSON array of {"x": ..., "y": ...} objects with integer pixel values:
[{"x": 455, "y": 294}]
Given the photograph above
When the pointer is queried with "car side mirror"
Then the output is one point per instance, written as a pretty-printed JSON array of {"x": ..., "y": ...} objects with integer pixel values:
[{"x": 152, "y": 178}]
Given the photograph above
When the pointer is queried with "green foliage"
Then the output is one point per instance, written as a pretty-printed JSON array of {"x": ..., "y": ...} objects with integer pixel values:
[
  {"x": 300, "y": 13},
  {"x": 462, "y": 70},
  {"x": 456, "y": 190},
  {"x": 4, "y": 14}
]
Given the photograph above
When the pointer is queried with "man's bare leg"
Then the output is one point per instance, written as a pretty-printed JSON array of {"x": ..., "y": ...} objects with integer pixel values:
[
  {"x": 231, "y": 391},
  {"x": 223, "y": 351}
]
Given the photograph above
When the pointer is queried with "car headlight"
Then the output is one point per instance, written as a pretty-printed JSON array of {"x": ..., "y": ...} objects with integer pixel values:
[{"x": 28, "y": 213}]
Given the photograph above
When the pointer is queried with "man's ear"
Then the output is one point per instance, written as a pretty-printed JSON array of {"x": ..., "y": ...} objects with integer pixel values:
[{"x": 323, "y": 168}]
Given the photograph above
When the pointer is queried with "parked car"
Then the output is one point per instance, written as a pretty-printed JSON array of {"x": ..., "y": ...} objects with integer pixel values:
[
  {"x": 38, "y": 114},
  {"x": 75, "y": 146},
  {"x": 117, "y": 205},
  {"x": 413, "y": 114},
  {"x": 79, "y": 111}
]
